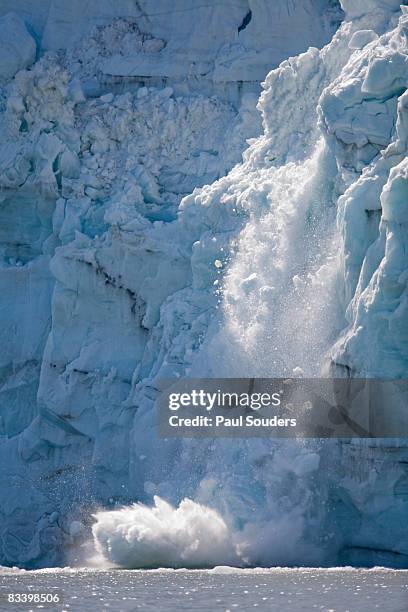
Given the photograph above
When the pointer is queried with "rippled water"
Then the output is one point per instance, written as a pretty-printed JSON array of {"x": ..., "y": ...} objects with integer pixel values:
[{"x": 212, "y": 590}]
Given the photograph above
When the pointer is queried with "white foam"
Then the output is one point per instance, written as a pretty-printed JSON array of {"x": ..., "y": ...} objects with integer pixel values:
[{"x": 190, "y": 536}]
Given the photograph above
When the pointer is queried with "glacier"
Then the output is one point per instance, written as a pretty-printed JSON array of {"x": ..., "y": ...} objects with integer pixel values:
[{"x": 165, "y": 214}]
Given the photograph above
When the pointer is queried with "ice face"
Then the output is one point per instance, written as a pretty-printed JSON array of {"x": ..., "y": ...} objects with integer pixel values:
[
  {"x": 234, "y": 44},
  {"x": 138, "y": 245},
  {"x": 358, "y": 8},
  {"x": 17, "y": 47}
]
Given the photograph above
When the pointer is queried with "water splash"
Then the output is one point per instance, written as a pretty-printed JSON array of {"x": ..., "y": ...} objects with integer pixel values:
[{"x": 189, "y": 536}]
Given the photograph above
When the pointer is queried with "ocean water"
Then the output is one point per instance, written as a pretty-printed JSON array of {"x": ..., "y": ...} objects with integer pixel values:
[{"x": 224, "y": 589}]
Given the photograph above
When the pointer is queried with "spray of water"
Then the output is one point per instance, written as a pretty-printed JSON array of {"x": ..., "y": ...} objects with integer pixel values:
[
  {"x": 279, "y": 315},
  {"x": 280, "y": 308},
  {"x": 190, "y": 536}
]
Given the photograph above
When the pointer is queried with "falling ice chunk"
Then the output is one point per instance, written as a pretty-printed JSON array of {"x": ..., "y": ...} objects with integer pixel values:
[
  {"x": 249, "y": 283},
  {"x": 298, "y": 282},
  {"x": 267, "y": 293}
]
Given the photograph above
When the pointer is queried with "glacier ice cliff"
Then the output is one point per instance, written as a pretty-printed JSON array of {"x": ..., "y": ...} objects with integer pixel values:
[
  {"x": 158, "y": 220},
  {"x": 17, "y": 47}
]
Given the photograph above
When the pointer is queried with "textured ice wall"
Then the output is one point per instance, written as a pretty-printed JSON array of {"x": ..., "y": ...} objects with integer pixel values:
[
  {"x": 90, "y": 182},
  {"x": 136, "y": 293},
  {"x": 238, "y": 42},
  {"x": 365, "y": 117},
  {"x": 285, "y": 298},
  {"x": 17, "y": 47}
]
